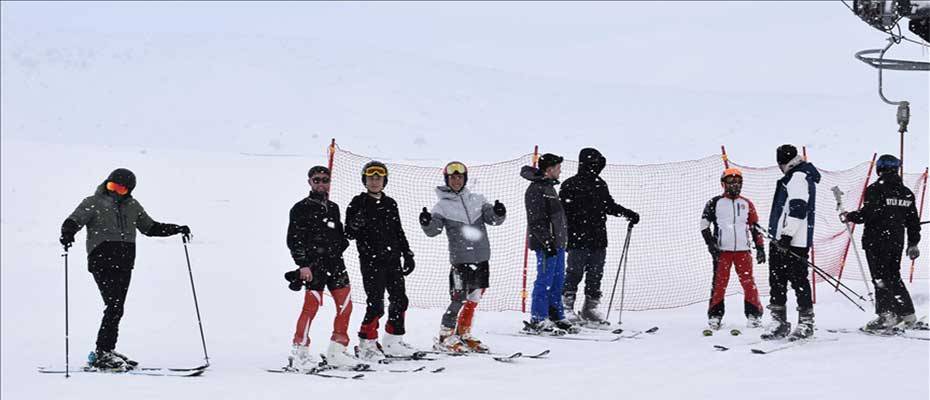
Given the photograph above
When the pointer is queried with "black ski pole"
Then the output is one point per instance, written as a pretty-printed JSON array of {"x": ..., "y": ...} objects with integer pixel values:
[
  {"x": 621, "y": 265},
  {"x": 203, "y": 341},
  {"x": 819, "y": 271},
  {"x": 67, "y": 350}
]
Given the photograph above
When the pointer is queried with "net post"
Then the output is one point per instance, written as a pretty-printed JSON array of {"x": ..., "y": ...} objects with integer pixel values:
[
  {"x": 526, "y": 244},
  {"x": 920, "y": 214},
  {"x": 723, "y": 156},
  {"x": 332, "y": 154},
  {"x": 868, "y": 177}
]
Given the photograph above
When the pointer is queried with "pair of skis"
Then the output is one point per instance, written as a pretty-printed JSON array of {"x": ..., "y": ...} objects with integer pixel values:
[
  {"x": 144, "y": 371},
  {"x": 776, "y": 345}
]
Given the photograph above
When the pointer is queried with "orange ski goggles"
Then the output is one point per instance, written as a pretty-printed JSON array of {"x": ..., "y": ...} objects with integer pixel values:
[
  {"x": 375, "y": 171},
  {"x": 119, "y": 189}
]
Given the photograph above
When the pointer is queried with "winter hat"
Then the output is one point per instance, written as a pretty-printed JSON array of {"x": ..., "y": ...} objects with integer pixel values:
[
  {"x": 589, "y": 159},
  {"x": 455, "y": 167},
  {"x": 319, "y": 169},
  {"x": 887, "y": 164},
  {"x": 548, "y": 160},
  {"x": 785, "y": 154},
  {"x": 372, "y": 168},
  {"x": 123, "y": 177}
]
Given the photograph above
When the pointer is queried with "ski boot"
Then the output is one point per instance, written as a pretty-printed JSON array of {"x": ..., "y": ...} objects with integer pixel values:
[
  {"x": 805, "y": 328},
  {"x": 590, "y": 316},
  {"x": 473, "y": 343},
  {"x": 543, "y": 327},
  {"x": 337, "y": 356},
  {"x": 449, "y": 342},
  {"x": 884, "y": 322},
  {"x": 753, "y": 321},
  {"x": 369, "y": 350},
  {"x": 567, "y": 326},
  {"x": 714, "y": 323},
  {"x": 106, "y": 361},
  {"x": 780, "y": 326},
  {"x": 568, "y": 303},
  {"x": 130, "y": 364},
  {"x": 394, "y": 346},
  {"x": 299, "y": 357}
]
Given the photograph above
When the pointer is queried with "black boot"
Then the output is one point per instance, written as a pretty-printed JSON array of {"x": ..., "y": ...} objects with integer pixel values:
[
  {"x": 780, "y": 326},
  {"x": 805, "y": 328}
]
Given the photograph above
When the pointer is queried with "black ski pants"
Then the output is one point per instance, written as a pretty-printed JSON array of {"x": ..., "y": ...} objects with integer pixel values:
[
  {"x": 587, "y": 264},
  {"x": 111, "y": 265},
  {"x": 378, "y": 277},
  {"x": 890, "y": 292},
  {"x": 784, "y": 269}
]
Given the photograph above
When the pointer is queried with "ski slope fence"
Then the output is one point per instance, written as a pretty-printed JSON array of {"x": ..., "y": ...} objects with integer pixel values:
[{"x": 668, "y": 263}]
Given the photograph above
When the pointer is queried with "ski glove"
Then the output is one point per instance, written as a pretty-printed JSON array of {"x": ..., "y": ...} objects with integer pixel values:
[
  {"x": 66, "y": 239},
  {"x": 425, "y": 217},
  {"x": 551, "y": 250},
  {"x": 784, "y": 243},
  {"x": 913, "y": 252},
  {"x": 409, "y": 264},
  {"x": 633, "y": 218},
  {"x": 713, "y": 249},
  {"x": 760, "y": 255},
  {"x": 499, "y": 208},
  {"x": 183, "y": 229}
]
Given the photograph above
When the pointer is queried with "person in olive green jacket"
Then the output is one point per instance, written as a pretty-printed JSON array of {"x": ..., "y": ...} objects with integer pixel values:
[{"x": 112, "y": 217}]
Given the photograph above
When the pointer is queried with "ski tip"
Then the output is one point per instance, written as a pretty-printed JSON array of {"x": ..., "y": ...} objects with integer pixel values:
[
  {"x": 617, "y": 331},
  {"x": 359, "y": 376},
  {"x": 721, "y": 348},
  {"x": 654, "y": 329},
  {"x": 438, "y": 370},
  {"x": 757, "y": 351}
]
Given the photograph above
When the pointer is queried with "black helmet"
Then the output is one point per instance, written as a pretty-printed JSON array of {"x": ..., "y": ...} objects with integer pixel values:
[
  {"x": 372, "y": 168},
  {"x": 887, "y": 164}
]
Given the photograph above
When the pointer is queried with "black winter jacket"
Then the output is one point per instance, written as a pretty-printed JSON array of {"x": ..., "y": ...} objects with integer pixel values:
[
  {"x": 544, "y": 215},
  {"x": 587, "y": 203},
  {"x": 315, "y": 233},
  {"x": 888, "y": 210},
  {"x": 380, "y": 234}
]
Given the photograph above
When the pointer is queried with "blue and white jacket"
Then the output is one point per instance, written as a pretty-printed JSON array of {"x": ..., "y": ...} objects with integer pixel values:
[{"x": 794, "y": 202}]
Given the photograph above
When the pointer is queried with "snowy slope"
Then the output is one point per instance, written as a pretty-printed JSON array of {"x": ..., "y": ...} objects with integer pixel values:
[{"x": 237, "y": 205}]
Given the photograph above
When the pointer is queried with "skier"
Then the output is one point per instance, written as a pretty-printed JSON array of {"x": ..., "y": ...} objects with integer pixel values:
[
  {"x": 733, "y": 219},
  {"x": 316, "y": 240},
  {"x": 547, "y": 236},
  {"x": 792, "y": 225},
  {"x": 373, "y": 221},
  {"x": 888, "y": 211},
  {"x": 112, "y": 216},
  {"x": 463, "y": 214},
  {"x": 587, "y": 202}
]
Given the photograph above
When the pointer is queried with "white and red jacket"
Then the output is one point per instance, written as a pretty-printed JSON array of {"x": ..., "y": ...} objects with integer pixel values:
[{"x": 733, "y": 221}]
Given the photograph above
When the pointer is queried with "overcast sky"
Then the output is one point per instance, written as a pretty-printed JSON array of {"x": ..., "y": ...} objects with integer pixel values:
[{"x": 793, "y": 47}]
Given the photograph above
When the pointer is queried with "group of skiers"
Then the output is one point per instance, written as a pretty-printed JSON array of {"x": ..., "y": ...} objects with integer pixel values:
[{"x": 571, "y": 221}]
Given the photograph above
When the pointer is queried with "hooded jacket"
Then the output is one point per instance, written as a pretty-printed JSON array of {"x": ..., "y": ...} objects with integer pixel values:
[
  {"x": 113, "y": 218},
  {"x": 544, "y": 214},
  {"x": 793, "y": 204},
  {"x": 587, "y": 202},
  {"x": 464, "y": 216}
]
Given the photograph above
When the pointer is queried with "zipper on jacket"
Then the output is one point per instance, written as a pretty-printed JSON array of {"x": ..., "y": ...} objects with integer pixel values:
[
  {"x": 462, "y": 198},
  {"x": 734, "y": 224}
]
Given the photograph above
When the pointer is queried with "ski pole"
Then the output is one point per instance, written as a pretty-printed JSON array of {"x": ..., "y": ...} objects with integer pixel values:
[
  {"x": 67, "y": 350},
  {"x": 839, "y": 207},
  {"x": 819, "y": 271},
  {"x": 203, "y": 341},
  {"x": 621, "y": 265}
]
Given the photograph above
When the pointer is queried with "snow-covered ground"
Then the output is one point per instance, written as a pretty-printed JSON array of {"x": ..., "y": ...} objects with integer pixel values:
[{"x": 237, "y": 205}]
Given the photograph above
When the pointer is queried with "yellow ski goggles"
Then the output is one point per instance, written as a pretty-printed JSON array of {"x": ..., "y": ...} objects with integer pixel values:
[
  {"x": 456, "y": 167},
  {"x": 375, "y": 170}
]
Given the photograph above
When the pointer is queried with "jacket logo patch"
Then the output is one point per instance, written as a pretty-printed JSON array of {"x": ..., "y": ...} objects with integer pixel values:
[{"x": 898, "y": 202}]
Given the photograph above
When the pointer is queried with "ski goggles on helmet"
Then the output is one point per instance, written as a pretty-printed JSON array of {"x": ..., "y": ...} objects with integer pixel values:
[
  {"x": 456, "y": 167},
  {"x": 731, "y": 175},
  {"x": 117, "y": 188},
  {"x": 375, "y": 170}
]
